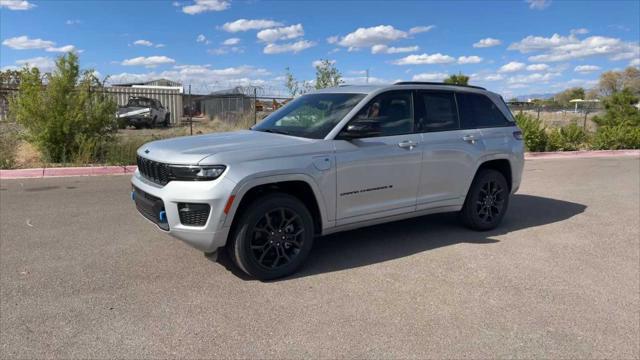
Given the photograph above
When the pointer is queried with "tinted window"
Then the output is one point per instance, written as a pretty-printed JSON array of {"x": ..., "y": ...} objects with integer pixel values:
[
  {"x": 392, "y": 111},
  {"x": 477, "y": 110},
  {"x": 436, "y": 111}
]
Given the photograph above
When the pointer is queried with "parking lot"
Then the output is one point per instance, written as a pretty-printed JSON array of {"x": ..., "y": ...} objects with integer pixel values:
[{"x": 84, "y": 276}]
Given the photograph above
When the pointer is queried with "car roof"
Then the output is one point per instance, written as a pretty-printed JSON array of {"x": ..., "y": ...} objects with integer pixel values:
[{"x": 409, "y": 85}]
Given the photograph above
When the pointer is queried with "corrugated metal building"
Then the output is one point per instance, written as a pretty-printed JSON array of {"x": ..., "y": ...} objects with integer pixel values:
[
  {"x": 227, "y": 105},
  {"x": 169, "y": 93}
]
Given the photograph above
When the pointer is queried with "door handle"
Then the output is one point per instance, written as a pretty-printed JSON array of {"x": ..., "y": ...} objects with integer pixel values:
[
  {"x": 407, "y": 144},
  {"x": 469, "y": 138}
]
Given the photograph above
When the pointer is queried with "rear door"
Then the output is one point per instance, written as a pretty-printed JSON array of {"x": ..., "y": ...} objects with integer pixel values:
[
  {"x": 451, "y": 147},
  {"x": 378, "y": 176}
]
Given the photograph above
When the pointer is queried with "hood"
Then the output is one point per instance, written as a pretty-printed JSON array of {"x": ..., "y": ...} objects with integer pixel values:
[
  {"x": 132, "y": 111},
  {"x": 190, "y": 150}
]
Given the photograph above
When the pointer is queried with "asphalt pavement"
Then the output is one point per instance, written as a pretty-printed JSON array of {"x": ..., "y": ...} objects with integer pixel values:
[{"x": 82, "y": 275}]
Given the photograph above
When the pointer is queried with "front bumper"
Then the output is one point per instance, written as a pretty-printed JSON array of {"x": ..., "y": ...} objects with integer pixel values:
[{"x": 214, "y": 193}]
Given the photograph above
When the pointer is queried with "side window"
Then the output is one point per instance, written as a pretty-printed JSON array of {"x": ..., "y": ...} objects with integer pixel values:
[
  {"x": 477, "y": 110},
  {"x": 436, "y": 111},
  {"x": 392, "y": 112}
]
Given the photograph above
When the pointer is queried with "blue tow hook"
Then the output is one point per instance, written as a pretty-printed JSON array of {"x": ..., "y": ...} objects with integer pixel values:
[
  {"x": 133, "y": 195},
  {"x": 162, "y": 216}
]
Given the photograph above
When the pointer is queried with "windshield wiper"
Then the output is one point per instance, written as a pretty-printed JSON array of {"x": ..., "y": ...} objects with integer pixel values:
[{"x": 276, "y": 131}]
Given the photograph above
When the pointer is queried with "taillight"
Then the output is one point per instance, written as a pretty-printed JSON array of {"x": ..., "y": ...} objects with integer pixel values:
[{"x": 517, "y": 135}]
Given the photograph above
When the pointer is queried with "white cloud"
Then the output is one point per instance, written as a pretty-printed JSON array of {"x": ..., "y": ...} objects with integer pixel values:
[
  {"x": 73, "y": 22},
  {"x": 151, "y": 61},
  {"x": 246, "y": 25},
  {"x": 66, "y": 48},
  {"x": 200, "y": 6},
  {"x": 538, "y": 4},
  {"x": 203, "y": 78},
  {"x": 538, "y": 67},
  {"x": 634, "y": 62},
  {"x": 511, "y": 67},
  {"x": 384, "y": 49},
  {"x": 295, "y": 47},
  {"x": 16, "y": 4},
  {"x": 143, "y": 43},
  {"x": 585, "y": 69},
  {"x": 532, "y": 78},
  {"x": 487, "y": 42},
  {"x": 363, "y": 80},
  {"x": 45, "y": 64},
  {"x": 469, "y": 59},
  {"x": 580, "y": 31},
  {"x": 281, "y": 33},
  {"x": 421, "y": 29},
  {"x": 429, "y": 77},
  {"x": 365, "y": 37},
  {"x": 565, "y": 48},
  {"x": 333, "y": 39},
  {"x": 231, "y": 41},
  {"x": 425, "y": 59},
  {"x": 493, "y": 77},
  {"x": 25, "y": 43},
  {"x": 318, "y": 63},
  {"x": 225, "y": 50},
  {"x": 160, "y": 45},
  {"x": 202, "y": 39}
]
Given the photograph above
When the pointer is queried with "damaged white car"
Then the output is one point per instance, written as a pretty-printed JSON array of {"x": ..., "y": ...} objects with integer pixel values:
[{"x": 143, "y": 112}]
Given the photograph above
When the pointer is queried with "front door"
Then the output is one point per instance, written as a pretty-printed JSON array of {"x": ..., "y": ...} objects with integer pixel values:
[{"x": 378, "y": 176}]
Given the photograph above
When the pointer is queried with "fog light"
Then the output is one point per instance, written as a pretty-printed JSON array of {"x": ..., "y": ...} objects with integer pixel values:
[{"x": 192, "y": 214}]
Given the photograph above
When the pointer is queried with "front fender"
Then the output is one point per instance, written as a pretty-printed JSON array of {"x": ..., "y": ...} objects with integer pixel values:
[{"x": 247, "y": 184}]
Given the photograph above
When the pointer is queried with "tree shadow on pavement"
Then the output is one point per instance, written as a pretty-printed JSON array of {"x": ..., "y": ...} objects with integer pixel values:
[{"x": 403, "y": 238}]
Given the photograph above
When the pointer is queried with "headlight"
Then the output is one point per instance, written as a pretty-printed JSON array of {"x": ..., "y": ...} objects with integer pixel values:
[{"x": 195, "y": 173}]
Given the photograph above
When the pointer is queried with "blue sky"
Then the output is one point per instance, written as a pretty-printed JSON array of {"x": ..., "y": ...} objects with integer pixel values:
[{"x": 512, "y": 47}]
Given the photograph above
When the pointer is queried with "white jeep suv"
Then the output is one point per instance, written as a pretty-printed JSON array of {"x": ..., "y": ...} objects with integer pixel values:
[{"x": 333, "y": 160}]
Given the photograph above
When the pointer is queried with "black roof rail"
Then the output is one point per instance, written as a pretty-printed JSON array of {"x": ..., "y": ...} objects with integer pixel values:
[{"x": 435, "y": 83}]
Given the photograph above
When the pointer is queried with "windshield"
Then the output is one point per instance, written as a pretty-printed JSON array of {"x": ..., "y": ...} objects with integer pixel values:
[
  {"x": 311, "y": 116},
  {"x": 140, "y": 102}
]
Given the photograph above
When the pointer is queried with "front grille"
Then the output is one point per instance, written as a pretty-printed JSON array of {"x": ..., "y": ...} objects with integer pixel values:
[
  {"x": 193, "y": 214},
  {"x": 153, "y": 170},
  {"x": 150, "y": 207}
]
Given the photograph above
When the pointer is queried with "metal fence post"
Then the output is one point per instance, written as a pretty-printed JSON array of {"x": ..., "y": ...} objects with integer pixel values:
[{"x": 190, "y": 110}]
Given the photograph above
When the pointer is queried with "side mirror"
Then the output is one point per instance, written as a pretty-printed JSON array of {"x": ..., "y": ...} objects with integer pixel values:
[{"x": 362, "y": 128}]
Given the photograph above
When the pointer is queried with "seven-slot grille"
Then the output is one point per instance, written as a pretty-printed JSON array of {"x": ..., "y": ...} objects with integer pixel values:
[{"x": 153, "y": 170}]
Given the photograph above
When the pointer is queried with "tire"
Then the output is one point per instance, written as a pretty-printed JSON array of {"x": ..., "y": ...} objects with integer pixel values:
[
  {"x": 487, "y": 201},
  {"x": 264, "y": 243}
]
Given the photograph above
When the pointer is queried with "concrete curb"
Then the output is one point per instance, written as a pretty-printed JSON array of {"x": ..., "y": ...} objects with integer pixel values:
[
  {"x": 129, "y": 169},
  {"x": 66, "y": 171},
  {"x": 581, "y": 154}
]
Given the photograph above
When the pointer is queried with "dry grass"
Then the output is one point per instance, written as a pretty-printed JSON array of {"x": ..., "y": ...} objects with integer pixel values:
[{"x": 563, "y": 118}]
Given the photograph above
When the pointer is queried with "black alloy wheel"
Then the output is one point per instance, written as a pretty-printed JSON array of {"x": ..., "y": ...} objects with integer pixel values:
[{"x": 487, "y": 200}]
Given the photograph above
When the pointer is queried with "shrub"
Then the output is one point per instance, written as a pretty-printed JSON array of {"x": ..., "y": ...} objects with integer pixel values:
[
  {"x": 533, "y": 132},
  {"x": 9, "y": 140},
  {"x": 620, "y": 110},
  {"x": 65, "y": 115},
  {"x": 568, "y": 138},
  {"x": 617, "y": 137}
]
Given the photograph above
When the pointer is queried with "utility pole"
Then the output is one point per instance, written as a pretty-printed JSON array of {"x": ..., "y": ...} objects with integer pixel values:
[
  {"x": 367, "y": 76},
  {"x": 190, "y": 109},
  {"x": 255, "y": 105}
]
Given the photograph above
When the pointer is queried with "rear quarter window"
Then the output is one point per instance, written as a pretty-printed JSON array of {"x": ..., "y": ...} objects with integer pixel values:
[{"x": 477, "y": 110}]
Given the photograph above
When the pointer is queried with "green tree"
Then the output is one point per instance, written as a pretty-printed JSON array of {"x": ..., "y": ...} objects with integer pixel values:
[
  {"x": 564, "y": 98},
  {"x": 459, "y": 79},
  {"x": 327, "y": 75},
  {"x": 295, "y": 87},
  {"x": 620, "y": 109},
  {"x": 69, "y": 115}
]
